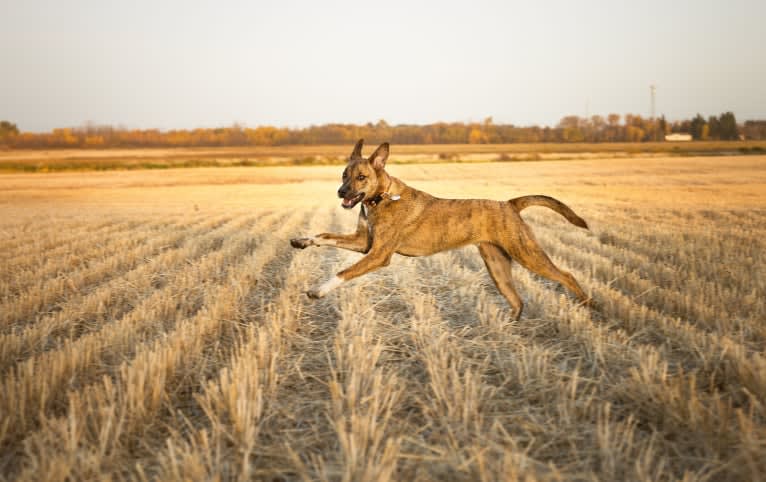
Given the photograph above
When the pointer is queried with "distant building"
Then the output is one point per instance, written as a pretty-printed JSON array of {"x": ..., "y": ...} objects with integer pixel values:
[{"x": 678, "y": 136}]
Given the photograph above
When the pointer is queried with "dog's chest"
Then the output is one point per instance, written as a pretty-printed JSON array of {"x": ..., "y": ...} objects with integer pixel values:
[
  {"x": 369, "y": 217},
  {"x": 365, "y": 218}
]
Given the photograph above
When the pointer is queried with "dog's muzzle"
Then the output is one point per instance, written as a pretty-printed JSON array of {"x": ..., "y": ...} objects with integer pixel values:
[{"x": 351, "y": 201}]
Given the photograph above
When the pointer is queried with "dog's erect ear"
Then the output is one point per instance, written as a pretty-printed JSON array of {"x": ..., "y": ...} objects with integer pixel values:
[
  {"x": 357, "y": 152},
  {"x": 379, "y": 157}
]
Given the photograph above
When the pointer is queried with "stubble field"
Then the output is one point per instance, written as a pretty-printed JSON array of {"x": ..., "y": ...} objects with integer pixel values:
[{"x": 153, "y": 326}]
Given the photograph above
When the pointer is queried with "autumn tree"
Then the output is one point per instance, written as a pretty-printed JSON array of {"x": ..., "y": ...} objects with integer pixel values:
[
  {"x": 7, "y": 130},
  {"x": 634, "y": 128},
  {"x": 697, "y": 126},
  {"x": 570, "y": 129},
  {"x": 714, "y": 127},
  {"x": 727, "y": 127},
  {"x": 663, "y": 126}
]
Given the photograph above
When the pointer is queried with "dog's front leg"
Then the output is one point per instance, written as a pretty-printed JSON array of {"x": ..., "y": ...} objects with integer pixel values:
[
  {"x": 353, "y": 242},
  {"x": 359, "y": 241},
  {"x": 377, "y": 258}
]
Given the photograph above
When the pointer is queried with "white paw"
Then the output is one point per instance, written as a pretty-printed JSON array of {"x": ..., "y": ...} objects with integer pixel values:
[{"x": 328, "y": 286}]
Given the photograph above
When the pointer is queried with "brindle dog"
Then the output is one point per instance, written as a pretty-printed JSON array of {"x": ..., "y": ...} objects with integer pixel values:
[{"x": 396, "y": 218}]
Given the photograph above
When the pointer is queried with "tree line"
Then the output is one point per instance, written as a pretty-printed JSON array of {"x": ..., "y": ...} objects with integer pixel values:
[{"x": 612, "y": 128}]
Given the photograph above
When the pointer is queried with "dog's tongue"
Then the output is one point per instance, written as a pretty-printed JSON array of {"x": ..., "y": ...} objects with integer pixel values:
[{"x": 347, "y": 202}]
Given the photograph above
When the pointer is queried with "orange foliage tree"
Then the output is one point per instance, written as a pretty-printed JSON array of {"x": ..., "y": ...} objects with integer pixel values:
[{"x": 634, "y": 128}]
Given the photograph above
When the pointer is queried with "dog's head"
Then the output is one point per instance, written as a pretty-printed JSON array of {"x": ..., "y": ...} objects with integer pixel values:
[{"x": 362, "y": 177}]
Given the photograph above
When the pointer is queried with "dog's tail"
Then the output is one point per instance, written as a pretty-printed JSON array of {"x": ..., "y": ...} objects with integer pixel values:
[{"x": 546, "y": 201}]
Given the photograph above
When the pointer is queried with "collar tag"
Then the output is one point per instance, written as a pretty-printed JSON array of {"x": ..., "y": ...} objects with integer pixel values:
[{"x": 395, "y": 197}]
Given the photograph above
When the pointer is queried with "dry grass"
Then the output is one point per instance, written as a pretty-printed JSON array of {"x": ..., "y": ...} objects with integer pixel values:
[
  {"x": 56, "y": 160},
  {"x": 152, "y": 326}
]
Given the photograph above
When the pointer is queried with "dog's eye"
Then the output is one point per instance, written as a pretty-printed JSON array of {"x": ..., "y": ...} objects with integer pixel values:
[{"x": 361, "y": 177}]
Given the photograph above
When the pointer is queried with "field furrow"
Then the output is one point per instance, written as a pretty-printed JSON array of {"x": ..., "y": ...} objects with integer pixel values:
[
  {"x": 723, "y": 359},
  {"x": 349, "y": 431},
  {"x": 78, "y": 363},
  {"x": 712, "y": 400},
  {"x": 720, "y": 359},
  {"x": 140, "y": 389},
  {"x": 50, "y": 235},
  {"x": 703, "y": 310},
  {"x": 365, "y": 395},
  {"x": 49, "y": 296},
  {"x": 698, "y": 418},
  {"x": 243, "y": 400},
  {"x": 26, "y": 271},
  {"x": 697, "y": 256},
  {"x": 602, "y": 353},
  {"x": 111, "y": 300},
  {"x": 487, "y": 388}
]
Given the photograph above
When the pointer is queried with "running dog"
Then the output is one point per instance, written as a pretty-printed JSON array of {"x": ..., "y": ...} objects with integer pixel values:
[{"x": 396, "y": 218}]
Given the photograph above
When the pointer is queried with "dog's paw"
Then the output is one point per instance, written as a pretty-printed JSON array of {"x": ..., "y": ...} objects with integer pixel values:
[
  {"x": 314, "y": 294},
  {"x": 301, "y": 243}
]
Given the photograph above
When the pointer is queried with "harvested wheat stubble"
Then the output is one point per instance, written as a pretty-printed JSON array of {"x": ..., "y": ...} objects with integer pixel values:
[
  {"x": 262, "y": 360},
  {"x": 40, "y": 380},
  {"x": 52, "y": 235},
  {"x": 137, "y": 248},
  {"x": 189, "y": 352},
  {"x": 153, "y": 365},
  {"x": 55, "y": 242},
  {"x": 110, "y": 300}
]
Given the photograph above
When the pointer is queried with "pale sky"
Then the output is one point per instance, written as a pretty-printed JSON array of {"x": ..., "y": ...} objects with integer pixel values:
[{"x": 185, "y": 64}]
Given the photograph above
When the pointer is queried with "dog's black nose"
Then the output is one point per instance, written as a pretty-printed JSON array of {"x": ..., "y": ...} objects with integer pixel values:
[{"x": 342, "y": 191}]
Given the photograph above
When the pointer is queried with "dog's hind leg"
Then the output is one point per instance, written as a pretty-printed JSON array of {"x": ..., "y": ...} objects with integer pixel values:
[
  {"x": 532, "y": 257},
  {"x": 499, "y": 266}
]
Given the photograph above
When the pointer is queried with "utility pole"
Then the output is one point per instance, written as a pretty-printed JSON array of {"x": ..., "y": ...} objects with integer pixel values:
[{"x": 652, "y": 92}]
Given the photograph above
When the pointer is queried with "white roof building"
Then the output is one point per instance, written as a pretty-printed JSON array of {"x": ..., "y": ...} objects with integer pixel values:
[{"x": 678, "y": 136}]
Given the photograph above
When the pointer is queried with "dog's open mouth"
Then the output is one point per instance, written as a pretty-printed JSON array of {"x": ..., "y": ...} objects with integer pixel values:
[{"x": 350, "y": 202}]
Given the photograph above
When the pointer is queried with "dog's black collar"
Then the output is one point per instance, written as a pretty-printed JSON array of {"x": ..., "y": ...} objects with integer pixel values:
[
  {"x": 381, "y": 196},
  {"x": 376, "y": 200}
]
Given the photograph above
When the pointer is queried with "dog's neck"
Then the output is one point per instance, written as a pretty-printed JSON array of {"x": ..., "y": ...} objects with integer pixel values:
[{"x": 388, "y": 181}]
